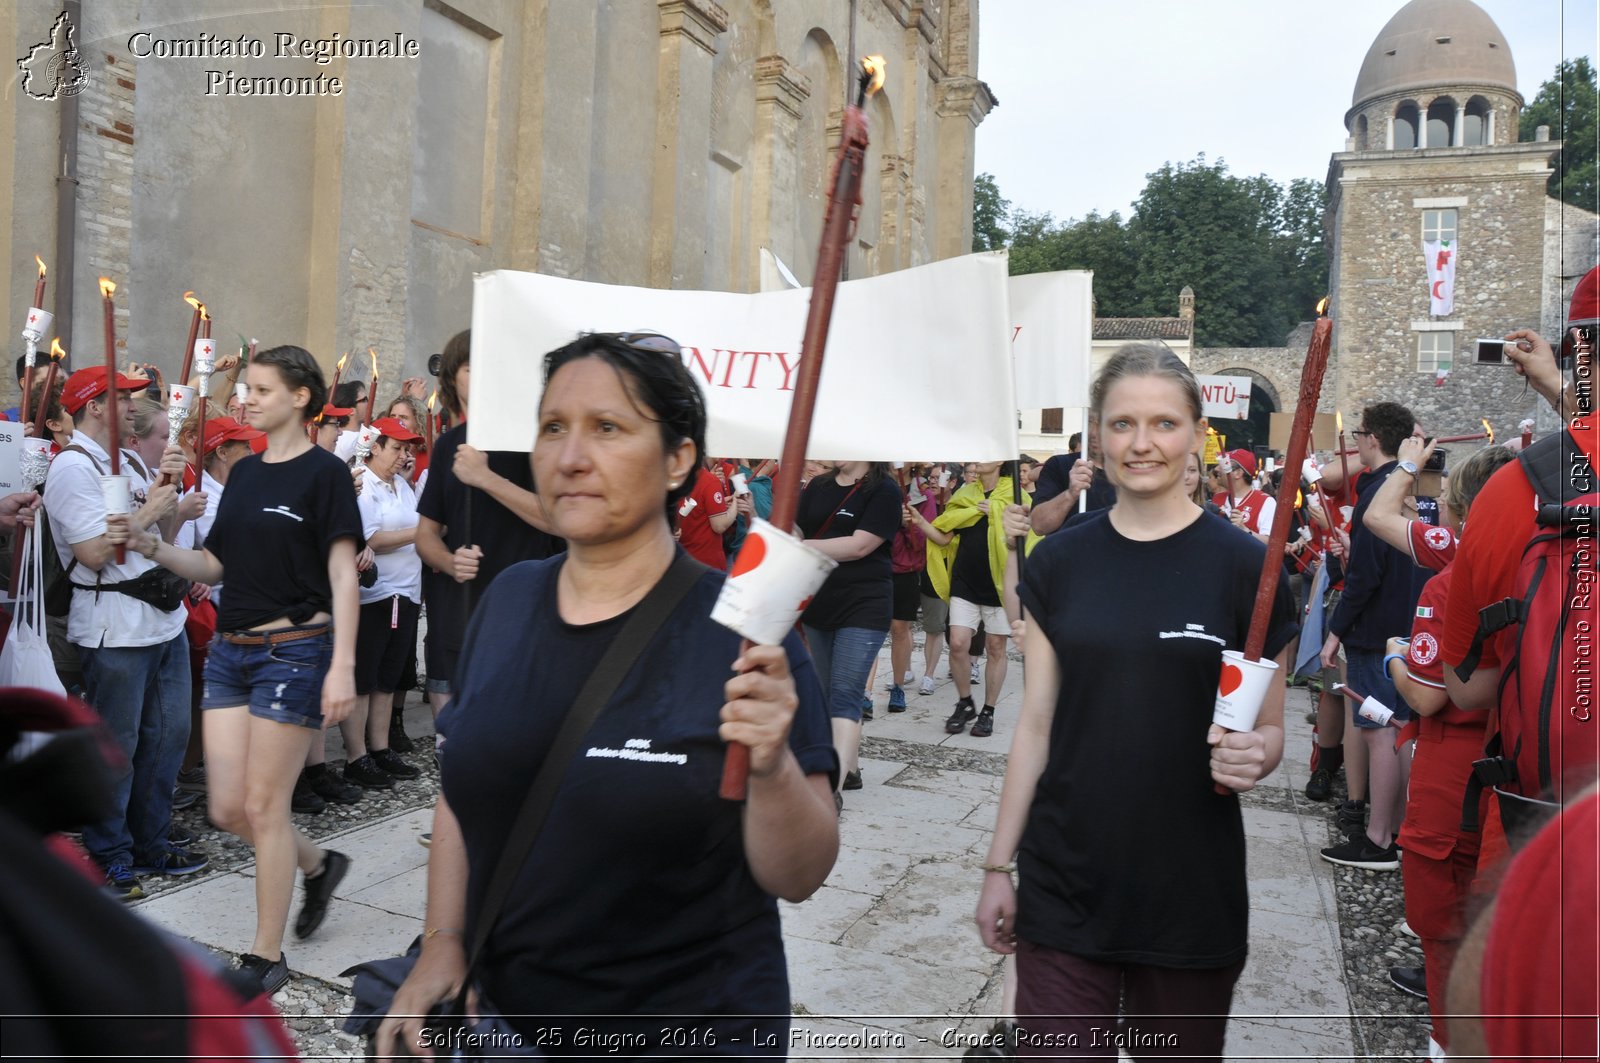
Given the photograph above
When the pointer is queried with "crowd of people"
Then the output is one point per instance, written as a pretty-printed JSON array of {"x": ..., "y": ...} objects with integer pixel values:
[{"x": 272, "y": 573}]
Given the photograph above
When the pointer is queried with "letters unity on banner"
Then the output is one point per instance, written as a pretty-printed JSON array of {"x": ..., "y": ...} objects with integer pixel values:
[{"x": 918, "y": 364}]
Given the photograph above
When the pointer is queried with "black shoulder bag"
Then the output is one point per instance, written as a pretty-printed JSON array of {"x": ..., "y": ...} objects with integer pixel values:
[{"x": 376, "y": 981}]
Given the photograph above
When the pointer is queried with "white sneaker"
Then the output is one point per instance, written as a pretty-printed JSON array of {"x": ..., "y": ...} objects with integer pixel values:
[
  {"x": 906, "y": 680},
  {"x": 927, "y": 685}
]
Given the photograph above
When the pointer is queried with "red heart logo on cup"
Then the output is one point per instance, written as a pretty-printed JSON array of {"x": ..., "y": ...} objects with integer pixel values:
[
  {"x": 750, "y": 554},
  {"x": 1231, "y": 678}
]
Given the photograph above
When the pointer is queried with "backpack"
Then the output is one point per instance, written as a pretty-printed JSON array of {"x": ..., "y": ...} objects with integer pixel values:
[{"x": 1543, "y": 726}]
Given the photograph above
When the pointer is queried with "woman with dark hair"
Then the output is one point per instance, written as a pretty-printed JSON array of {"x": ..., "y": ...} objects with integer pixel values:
[
  {"x": 850, "y": 514},
  {"x": 1132, "y": 865},
  {"x": 645, "y": 894},
  {"x": 282, "y": 666}
]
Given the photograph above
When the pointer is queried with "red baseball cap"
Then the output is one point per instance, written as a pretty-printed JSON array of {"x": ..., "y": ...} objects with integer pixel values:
[
  {"x": 391, "y": 427},
  {"x": 220, "y": 430},
  {"x": 1244, "y": 459},
  {"x": 330, "y": 410},
  {"x": 87, "y": 384}
]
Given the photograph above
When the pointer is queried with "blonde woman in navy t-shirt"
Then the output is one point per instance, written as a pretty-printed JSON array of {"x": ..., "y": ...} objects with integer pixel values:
[
  {"x": 282, "y": 667},
  {"x": 1131, "y": 865}
]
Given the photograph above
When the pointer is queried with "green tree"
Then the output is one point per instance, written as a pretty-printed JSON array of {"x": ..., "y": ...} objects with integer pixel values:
[
  {"x": 1251, "y": 249},
  {"x": 1566, "y": 103},
  {"x": 989, "y": 211}
]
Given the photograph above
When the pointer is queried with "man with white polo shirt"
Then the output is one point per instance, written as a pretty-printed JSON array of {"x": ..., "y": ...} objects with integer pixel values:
[{"x": 128, "y": 628}]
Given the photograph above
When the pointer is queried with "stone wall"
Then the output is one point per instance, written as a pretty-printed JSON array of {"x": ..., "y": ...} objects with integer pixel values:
[
  {"x": 1380, "y": 294},
  {"x": 652, "y": 142}
]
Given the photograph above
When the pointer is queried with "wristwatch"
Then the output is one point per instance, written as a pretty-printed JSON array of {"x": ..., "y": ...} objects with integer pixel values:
[{"x": 1409, "y": 467}]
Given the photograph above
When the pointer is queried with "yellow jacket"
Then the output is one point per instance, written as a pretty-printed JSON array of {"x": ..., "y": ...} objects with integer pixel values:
[{"x": 962, "y": 512}]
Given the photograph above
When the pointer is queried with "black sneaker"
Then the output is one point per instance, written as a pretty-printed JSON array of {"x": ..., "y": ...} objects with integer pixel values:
[
  {"x": 174, "y": 861},
  {"x": 1320, "y": 788},
  {"x": 192, "y": 780},
  {"x": 1351, "y": 817},
  {"x": 1412, "y": 980},
  {"x": 399, "y": 741},
  {"x": 331, "y": 786},
  {"x": 364, "y": 772},
  {"x": 182, "y": 837},
  {"x": 983, "y": 726},
  {"x": 852, "y": 781},
  {"x": 306, "y": 799},
  {"x": 960, "y": 718},
  {"x": 319, "y": 891},
  {"x": 270, "y": 975},
  {"x": 1361, "y": 852},
  {"x": 393, "y": 764},
  {"x": 123, "y": 883},
  {"x": 182, "y": 799}
]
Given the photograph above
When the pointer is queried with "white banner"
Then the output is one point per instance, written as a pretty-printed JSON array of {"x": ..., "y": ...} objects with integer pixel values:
[
  {"x": 1440, "y": 256},
  {"x": 11, "y": 457},
  {"x": 918, "y": 364},
  {"x": 1052, "y": 319},
  {"x": 1227, "y": 397}
]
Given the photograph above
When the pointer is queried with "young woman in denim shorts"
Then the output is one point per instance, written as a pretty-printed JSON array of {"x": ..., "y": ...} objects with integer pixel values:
[{"x": 282, "y": 666}]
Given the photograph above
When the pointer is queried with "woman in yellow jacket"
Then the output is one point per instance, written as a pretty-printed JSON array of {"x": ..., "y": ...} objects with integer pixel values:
[{"x": 966, "y": 565}]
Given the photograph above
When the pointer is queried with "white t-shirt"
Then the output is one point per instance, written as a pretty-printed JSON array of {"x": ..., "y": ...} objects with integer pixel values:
[
  {"x": 76, "y": 507},
  {"x": 390, "y": 506}
]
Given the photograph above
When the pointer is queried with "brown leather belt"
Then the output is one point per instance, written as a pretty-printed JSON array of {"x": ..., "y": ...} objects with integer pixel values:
[{"x": 273, "y": 638}]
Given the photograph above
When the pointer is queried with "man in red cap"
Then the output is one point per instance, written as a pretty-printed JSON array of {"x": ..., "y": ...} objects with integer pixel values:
[
  {"x": 135, "y": 654},
  {"x": 1248, "y": 507},
  {"x": 331, "y": 424}
]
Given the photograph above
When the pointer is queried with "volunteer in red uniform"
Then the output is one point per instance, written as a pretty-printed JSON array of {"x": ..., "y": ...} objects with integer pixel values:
[
  {"x": 1441, "y": 859},
  {"x": 703, "y": 517},
  {"x": 1242, "y": 503},
  {"x": 1505, "y": 519}
]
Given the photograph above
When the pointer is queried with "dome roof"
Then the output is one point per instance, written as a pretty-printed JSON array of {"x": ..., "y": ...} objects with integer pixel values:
[{"x": 1433, "y": 43}]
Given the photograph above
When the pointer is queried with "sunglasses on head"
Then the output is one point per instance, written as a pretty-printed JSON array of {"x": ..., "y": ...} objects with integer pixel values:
[{"x": 646, "y": 340}]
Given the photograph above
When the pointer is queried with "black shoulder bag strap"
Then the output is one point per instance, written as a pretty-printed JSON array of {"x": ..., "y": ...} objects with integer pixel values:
[{"x": 608, "y": 674}]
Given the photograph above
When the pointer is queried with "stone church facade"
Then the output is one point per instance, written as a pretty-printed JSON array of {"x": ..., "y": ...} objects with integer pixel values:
[{"x": 658, "y": 143}]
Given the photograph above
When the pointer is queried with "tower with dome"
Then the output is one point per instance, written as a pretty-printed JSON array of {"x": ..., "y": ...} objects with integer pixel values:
[{"x": 1434, "y": 155}]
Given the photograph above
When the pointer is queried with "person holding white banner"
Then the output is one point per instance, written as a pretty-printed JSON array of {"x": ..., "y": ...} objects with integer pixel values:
[{"x": 1132, "y": 863}]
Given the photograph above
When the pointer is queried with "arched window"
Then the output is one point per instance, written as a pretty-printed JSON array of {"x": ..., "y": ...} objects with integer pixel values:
[
  {"x": 1405, "y": 127},
  {"x": 1475, "y": 130},
  {"x": 1361, "y": 133},
  {"x": 1441, "y": 122}
]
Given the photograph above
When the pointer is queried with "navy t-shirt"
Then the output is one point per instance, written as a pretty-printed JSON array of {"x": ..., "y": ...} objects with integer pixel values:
[
  {"x": 858, "y": 593},
  {"x": 1056, "y": 476},
  {"x": 274, "y": 526},
  {"x": 505, "y": 537},
  {"x": 1129, "y": 855},
  {"x": 637, "y": 897}
]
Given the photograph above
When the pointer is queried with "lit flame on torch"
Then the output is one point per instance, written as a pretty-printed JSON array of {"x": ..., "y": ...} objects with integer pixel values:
[
  {"x": 107, "y": 289},
  {"x": 204, "y": 316},
  {"x": 372, "y": 354},
  {"x": 432, "y": 399},
  {"x": 876, "y": 69},
  {"x": 339, "y": 367},
  {"x": 1338, "y": 422},
  {"x": 1488, "y": 431},
  {"x": 39, "y": 260},
  {"x": 57, "y": 352},
  {"x": 1322, "y": 306},
  {"x": 189, "y": 298}
]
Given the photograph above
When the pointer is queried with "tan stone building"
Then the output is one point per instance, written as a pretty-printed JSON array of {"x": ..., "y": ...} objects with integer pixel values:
[
  {"x": 333, "y": 174},
  {"x": 1434, "y": 154}
]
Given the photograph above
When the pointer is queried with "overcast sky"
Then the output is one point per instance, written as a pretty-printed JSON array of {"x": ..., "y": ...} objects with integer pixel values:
[{"x": 1094, "y": 94}]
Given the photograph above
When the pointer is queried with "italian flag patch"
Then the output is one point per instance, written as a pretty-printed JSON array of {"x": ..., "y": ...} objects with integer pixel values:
[{"x": 1425, "y": 612}]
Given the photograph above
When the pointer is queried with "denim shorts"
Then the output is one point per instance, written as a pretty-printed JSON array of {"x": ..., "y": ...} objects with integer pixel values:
[
  {"x": 281, "y": 682},
  {"x": 1364, "y": 669}
]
